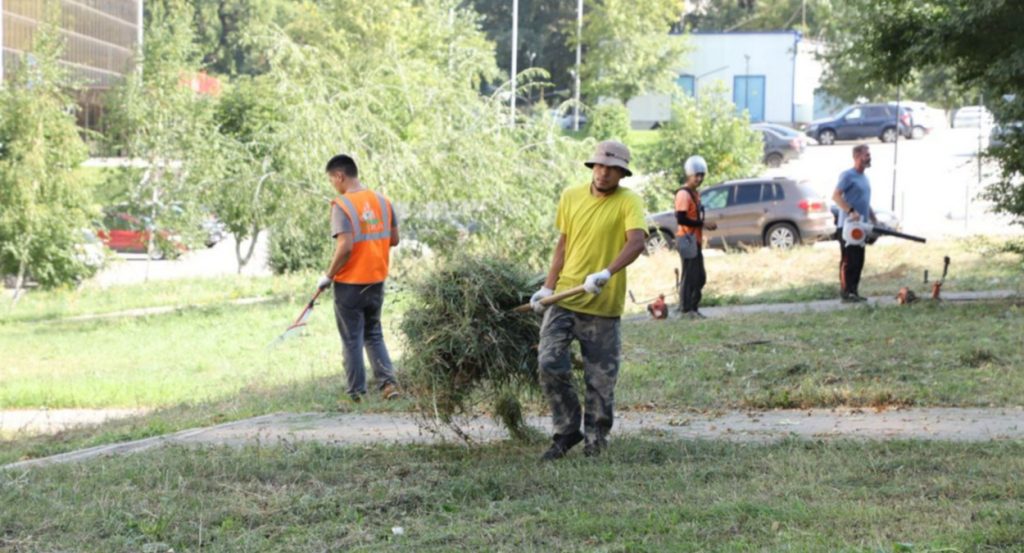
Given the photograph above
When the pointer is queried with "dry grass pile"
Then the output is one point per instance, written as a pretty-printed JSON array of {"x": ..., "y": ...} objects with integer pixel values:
[{"x": 465, "y": 348}]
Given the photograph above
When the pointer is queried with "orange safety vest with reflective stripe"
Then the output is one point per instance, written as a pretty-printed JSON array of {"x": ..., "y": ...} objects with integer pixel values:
[{"x": 370, "y": 216}]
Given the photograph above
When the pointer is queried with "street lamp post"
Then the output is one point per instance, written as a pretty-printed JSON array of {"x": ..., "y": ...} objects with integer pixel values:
[
  {"x": 515, "y": 52},
  {"x": 579, "y": 57}
]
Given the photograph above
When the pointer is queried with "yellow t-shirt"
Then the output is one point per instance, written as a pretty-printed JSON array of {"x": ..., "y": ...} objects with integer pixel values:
[{"x": 595, "y": 232}]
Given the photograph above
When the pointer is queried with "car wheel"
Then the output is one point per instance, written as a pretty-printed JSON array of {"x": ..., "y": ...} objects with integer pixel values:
[
  {"x": 917, "y": 133},
  {"x": 773, "y": 160},
  {"x": 827, "y": 137},
  {"x": 781, "y": 236},
  {"x": 657, "y": 240},
  {"x": 157, "y": 254},
  {"x": 888, "y": 135}
]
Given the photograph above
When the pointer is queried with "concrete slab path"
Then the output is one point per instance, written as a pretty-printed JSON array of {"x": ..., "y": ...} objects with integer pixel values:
[{"x": 946, "y": 424}]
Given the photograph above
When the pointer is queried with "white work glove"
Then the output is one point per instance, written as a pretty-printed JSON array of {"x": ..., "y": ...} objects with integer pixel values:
[
  {"x": 595, "y": 281},
  {"x": 535, "y": 303},
  {"x": 324, "y": 282}
]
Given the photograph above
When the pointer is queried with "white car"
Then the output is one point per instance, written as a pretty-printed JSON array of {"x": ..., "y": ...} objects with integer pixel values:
[
  {"x": 926, "y": 118},
  {"x": 973, "y": 117}
]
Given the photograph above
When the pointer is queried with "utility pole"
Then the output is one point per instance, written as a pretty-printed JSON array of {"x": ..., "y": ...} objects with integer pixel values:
[
  {"x": 895, "y": 150},
  {"x": 515, "y": 68},
  {"x": 1, "y": 42},
  {"x": 579, "y": 58}
]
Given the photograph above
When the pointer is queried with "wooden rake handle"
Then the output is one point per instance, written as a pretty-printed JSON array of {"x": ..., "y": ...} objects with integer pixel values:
[{"x": 554, "y": 298}]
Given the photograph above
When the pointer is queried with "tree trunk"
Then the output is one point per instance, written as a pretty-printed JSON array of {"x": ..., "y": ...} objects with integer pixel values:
[
  {"x": 243, "y": 261},
  {"x": 19, "y": 282}
]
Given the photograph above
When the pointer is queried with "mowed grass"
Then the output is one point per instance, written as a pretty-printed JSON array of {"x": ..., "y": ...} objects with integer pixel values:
[
  {"x": 762, "y": 275},
  {"x": 92, "y": 299},
  {"x": 196, "y": 355},
  {"x": 642, "y": 495}
]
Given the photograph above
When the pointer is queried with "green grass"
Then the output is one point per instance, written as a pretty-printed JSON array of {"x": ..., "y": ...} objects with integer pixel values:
[
  {"x": 925, "y": 355},
  {"x": 207, "y": 366},
  {"x": 196, "y": 355},
  {"x": 38, "y": 305},
  {"x": 812, "y": 273},
  {"x": 642, "y": 495}
]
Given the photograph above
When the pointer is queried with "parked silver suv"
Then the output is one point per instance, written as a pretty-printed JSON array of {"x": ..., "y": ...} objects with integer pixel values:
[{"x": 779, "y": 213}]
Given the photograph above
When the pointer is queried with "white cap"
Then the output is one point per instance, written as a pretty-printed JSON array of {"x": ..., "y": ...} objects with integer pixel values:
[{"x": 694, "y": 165}]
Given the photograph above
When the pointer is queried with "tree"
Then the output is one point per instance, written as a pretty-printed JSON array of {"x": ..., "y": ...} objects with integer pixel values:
[
  {"x": 976, "y": 41},
  {"x": 708, "y": 127},
  {"x": 626, "y": 52},
  {"x": 242, "y": 185},
  {"x": 546, "y": 30},
  {"x": 42, "y": 209},
  {"x": 221, "y": 28},
  {"x": 157, "y": 118}
]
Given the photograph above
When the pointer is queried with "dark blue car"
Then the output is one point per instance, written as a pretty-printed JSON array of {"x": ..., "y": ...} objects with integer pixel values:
[{"x": 863, "y": 121}]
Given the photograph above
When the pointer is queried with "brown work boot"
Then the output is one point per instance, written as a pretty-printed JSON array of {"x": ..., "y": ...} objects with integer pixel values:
[{"x": 389, "y": 391}]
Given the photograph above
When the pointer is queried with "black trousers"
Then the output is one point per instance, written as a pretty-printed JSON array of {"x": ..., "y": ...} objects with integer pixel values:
[
  {"x": 851, "y": 264},
  {"x": 694, "y": 278}
]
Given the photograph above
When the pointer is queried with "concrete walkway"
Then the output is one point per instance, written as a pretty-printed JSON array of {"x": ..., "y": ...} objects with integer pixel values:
[
  {"x": 947, "y": 424},
  {"x": 822, "y": 306}
]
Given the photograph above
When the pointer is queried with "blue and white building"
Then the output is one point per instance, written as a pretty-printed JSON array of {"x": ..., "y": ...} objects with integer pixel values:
[{"x": 771, "y": 74}]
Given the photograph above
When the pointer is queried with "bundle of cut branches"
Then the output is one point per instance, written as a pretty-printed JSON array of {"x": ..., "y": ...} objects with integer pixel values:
[{"x": 464, "y": 346}]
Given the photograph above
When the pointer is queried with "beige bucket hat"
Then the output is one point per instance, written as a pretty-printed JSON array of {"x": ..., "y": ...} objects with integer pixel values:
[{"x": 612, "y": 154}]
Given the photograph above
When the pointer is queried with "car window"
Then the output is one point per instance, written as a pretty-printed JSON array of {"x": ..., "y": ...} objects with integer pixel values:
[
  {"x": 875, "y": 111},
  {"x": 747, "y": 194},
  {"x": 854, "y": 113},
  {"x": 716, "y": 198},
  {"x": 771, "y": 192}
]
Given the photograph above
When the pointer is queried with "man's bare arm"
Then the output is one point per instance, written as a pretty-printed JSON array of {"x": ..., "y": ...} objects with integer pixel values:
[{"x": 632, "y": 249}]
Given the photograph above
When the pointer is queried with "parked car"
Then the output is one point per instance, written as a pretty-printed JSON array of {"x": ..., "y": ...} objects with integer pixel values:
[
  {"x": 127, "y": 233},
  {"x": 214, "y": 230},
  {"x": 778, "y": 149},
  {"x": 565, "y": 120},
  {"x": 788, "y": 132},
  {"x": 863, "y": 121},
  {"x": 779, "y": 213},
  {"x": 997, "y": 137},
  {"x": 884, "y": 217},
  {"x": 926, "y": 118},
  {"x": 973, "y": 117}
]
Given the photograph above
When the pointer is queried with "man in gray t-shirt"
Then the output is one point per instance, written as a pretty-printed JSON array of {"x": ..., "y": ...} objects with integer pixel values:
[{"x": 853, "y": 197}]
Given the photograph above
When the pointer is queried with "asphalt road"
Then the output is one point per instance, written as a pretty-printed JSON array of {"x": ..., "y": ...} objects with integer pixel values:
[{"x": 937, "y": 183}]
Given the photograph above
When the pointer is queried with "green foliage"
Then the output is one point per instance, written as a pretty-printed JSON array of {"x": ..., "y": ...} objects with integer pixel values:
[
  {"x": 42, "y": 208},
  {"x": 418, "y": 128},
  {"x": 243, "y": 181},
  {"x": 164, "y": 123},
  {"x": 609, "y": 121},
  {"x": 626, "y": 50},
  {"x": 463, "y": 344},
  {"x": 708, "y": 127},
  {"x": 975, "y": 41},
  {"x": 545, "y": 32}
]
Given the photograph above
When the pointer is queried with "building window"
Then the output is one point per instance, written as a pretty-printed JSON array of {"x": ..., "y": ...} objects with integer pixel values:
[{"x": 686, "y": 84}]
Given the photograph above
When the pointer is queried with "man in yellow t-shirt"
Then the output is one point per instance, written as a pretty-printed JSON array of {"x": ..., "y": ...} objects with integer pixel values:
[{"x": 602, "y": 230}]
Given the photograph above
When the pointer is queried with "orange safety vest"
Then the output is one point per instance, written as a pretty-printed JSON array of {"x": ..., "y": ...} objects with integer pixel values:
[{"x": 370, "y": 215}]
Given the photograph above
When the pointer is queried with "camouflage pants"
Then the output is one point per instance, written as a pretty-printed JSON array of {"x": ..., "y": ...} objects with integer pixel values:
[{"x": 601, "y": 345}]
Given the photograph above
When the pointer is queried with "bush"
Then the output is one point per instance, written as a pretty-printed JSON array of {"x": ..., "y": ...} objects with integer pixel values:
[
  {"x": 463, "y": 344},
  {"x": 609, "y": 121},
  {"x": 708, "y": 127}
]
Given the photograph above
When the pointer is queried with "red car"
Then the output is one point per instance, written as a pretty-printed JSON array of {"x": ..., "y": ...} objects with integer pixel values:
[{"x": 127, "y": 233}]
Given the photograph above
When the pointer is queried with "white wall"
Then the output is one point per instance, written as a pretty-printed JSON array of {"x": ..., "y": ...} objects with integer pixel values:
[{"x": 715, "y": 59}]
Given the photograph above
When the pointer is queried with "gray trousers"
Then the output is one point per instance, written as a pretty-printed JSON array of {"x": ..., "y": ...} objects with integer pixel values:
[
  {"x": 601, "y": 346},
  {"x": 357, "y": 310}
]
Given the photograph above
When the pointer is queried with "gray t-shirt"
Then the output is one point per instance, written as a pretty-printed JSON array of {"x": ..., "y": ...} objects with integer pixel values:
[
  {"x": 340, "y": 223},
  {"x": 856, "y": 190}
]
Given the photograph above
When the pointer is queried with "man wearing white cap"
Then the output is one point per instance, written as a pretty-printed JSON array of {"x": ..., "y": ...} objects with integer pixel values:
[{"x": 602, "y": 230}]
